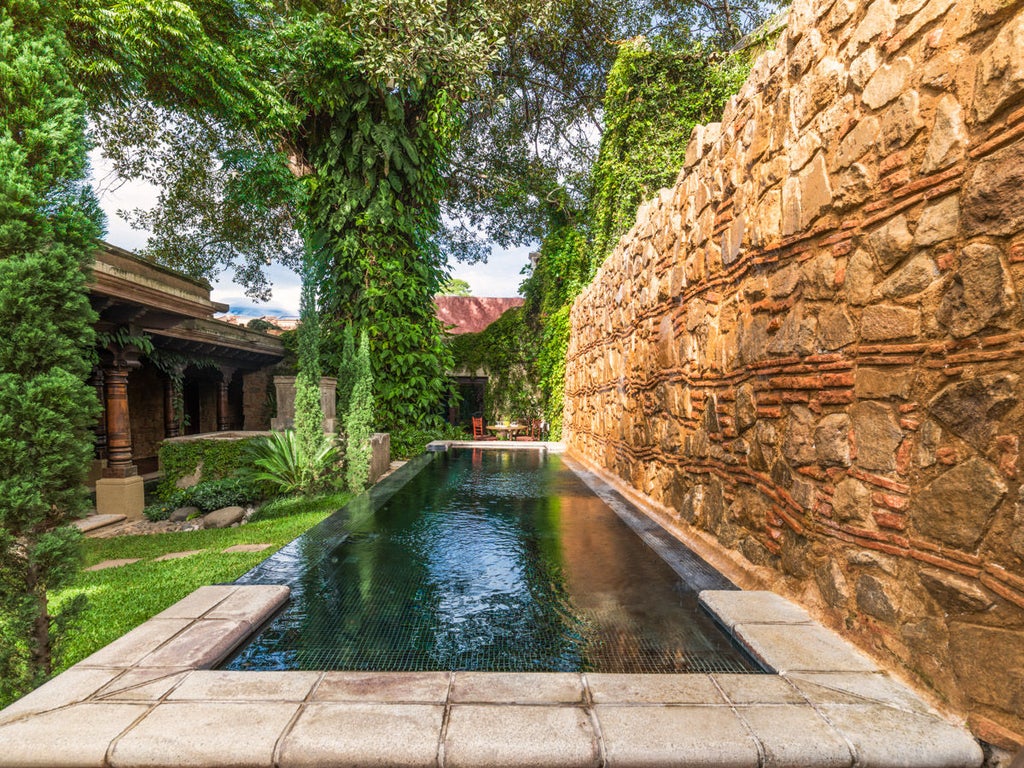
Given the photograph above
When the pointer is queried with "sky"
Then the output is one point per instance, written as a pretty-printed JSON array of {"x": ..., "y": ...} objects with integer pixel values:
[{"x": 499, "y": 276}]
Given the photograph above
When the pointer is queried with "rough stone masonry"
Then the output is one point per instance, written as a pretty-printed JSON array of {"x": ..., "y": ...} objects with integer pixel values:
[{"x": 812, "y": 347}]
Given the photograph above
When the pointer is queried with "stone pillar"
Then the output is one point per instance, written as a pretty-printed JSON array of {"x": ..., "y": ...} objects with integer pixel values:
[
  {"x": 120, "y": 489},
  {"x": 329, "y": 403},
  {"x": 285, "y": 419},
  {"x": 284, "y": 387},
  {"x": 223, "y": 410}
]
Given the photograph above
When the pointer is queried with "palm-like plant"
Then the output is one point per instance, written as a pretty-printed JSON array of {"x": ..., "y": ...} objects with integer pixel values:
[{"x": 281, "y": 462}]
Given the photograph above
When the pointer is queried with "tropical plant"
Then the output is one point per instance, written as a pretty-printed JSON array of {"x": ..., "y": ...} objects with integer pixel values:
[
  {"x": 280, "y": 462},
  {"x": 48, "y": 224},
  {"x": 359, "y": 421}
]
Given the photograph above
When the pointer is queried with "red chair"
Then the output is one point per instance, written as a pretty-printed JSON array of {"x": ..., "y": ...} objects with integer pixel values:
[
  {"x": 533, "y": 434},
  {"x": 478, "y": 430}
]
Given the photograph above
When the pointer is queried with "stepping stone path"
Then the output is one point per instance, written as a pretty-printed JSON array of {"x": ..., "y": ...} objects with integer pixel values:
[
  {"x": 176, "y": 555},
  {"x": 102, "y": 566},
  {"x": 248, "y": 548}
]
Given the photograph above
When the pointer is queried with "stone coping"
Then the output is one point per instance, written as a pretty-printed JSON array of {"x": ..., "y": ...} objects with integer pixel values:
[{"x": 152, "y": 699}]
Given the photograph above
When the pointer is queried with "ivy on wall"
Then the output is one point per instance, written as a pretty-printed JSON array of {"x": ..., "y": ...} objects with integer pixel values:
[
  {"x": 217, "y": 459},
  {"x": 507, "y": 351},
  {"x": 658, "y": 90}
]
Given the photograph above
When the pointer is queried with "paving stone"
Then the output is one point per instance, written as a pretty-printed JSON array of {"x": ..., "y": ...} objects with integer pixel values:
[
  {"x": 205, "y": 734},
  {"x": 223, "y": 685},
  {"x": 393, "y": 687},
  {"x": 250, "y": 603},
  {"x": 796, "y": 647},
  {"x": 664, "y": 736},
  {"x": 247, "y": 548},
  {"x": 150, "y": 684},
  {"x": 884, "y": 737},
  {"x": 131, "y": 648},
  {"x": 104, "y": 565},
  {"x": 653, "y": 689},
  {"x": 177, "y": 555},
  {"x": 732, "y": 607},
  {"x": 197, "y": 603},
  {"x": 72, "y": 686},
  {"x": 79, "y": 736},
  {"x": 204, "y": 643},
  {"x": 92, "y": 522},
  {"x": 758, "y": 689},
  {"x": 857, "y": 688},
  {"x": 517, "y": 688},
  {"x": 796, "y": 737},
  {"x": 503, "y": 736},
  {"x": 351, "y": 734}
]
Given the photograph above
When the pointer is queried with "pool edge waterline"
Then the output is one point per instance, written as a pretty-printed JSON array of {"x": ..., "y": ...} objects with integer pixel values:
[{"x": 491, "y": 560}]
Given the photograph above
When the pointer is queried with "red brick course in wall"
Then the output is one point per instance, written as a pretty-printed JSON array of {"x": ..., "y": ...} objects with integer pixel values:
[{"x": 812, "y": 347}]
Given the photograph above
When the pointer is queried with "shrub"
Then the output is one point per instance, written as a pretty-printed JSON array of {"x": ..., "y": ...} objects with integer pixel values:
[
  {"x": 161, "y": 510},
  {"x": 228, "y": 492}
]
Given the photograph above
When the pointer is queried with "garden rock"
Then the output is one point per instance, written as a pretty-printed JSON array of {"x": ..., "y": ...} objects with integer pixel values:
[
  {"x": 223, "y": 517},
  {"x": 181, "y": 514}
]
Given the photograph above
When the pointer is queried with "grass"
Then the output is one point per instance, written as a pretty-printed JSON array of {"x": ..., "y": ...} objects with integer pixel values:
[{"x": 119, "y": 599}]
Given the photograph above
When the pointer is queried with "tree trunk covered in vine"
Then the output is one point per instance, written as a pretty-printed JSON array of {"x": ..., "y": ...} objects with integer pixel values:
[{"x": 371, "y": 216}]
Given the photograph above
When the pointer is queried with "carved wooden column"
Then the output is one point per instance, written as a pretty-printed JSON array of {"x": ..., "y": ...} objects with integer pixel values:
[
  {"x": 116, "y": 368},
  {"x": 172, "y": 397},
  {"x": 120, "y": 490},
  {"x": 100, "y": 430},
  {"x": 223, "y": 411}
]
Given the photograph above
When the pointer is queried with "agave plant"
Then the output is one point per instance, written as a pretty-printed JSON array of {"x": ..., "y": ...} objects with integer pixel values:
[{"x": 280, "y": 461}]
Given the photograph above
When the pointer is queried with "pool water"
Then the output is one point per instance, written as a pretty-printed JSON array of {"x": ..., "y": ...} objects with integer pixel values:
[{"x": 484, "y": 559}]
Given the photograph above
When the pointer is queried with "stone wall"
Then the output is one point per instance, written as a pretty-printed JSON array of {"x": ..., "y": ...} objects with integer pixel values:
[
  {"x": 146, "y": 406},
  {"x": 812, "y": 347},
  {"x": 257, "y": 402}
]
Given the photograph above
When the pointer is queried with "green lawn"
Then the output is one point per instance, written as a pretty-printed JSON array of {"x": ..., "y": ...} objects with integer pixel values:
[{"x": 124, "y": 597}]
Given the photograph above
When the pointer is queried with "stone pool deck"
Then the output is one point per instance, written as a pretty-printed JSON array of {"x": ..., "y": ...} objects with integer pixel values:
[{"x": 151, "y": 698}]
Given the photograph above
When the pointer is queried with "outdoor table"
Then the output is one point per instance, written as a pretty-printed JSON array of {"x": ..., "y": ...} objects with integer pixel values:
[{"x": 507, "y": 432}]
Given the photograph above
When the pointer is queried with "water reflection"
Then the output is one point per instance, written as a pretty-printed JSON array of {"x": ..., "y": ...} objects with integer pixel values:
[{"x": 485, "y": 560}]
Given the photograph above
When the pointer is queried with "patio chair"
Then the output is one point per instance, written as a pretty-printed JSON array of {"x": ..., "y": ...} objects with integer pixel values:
[
  {"x": 478, "y": 430},
  {"x": 532, "y": 434}
]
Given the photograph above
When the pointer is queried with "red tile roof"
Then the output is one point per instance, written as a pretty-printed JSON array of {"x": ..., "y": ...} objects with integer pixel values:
[{"x": 471, "y": 314}]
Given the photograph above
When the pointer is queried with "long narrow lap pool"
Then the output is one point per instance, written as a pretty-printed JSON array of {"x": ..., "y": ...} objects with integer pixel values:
[{"x": 487, "y": 559}]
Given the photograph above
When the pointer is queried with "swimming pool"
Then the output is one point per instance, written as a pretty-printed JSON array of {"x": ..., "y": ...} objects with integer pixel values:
[{"x": 489, "y": 559}]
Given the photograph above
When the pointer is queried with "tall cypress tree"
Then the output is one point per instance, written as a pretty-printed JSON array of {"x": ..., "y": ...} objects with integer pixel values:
[
  {"x": 309, "y": 414},
  {"x": 49, "y": 220},
  {"x": 359, "y": 420}
]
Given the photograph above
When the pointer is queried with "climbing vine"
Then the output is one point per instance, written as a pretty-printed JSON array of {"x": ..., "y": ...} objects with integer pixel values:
[
  {"x": 657, "y": 91},
  {"x": 507, "y": 350},
  {"x": 373, "y": 211}
]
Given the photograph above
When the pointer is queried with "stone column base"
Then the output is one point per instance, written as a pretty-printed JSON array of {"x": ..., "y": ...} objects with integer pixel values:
[{"x": 120, "y": 496}]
